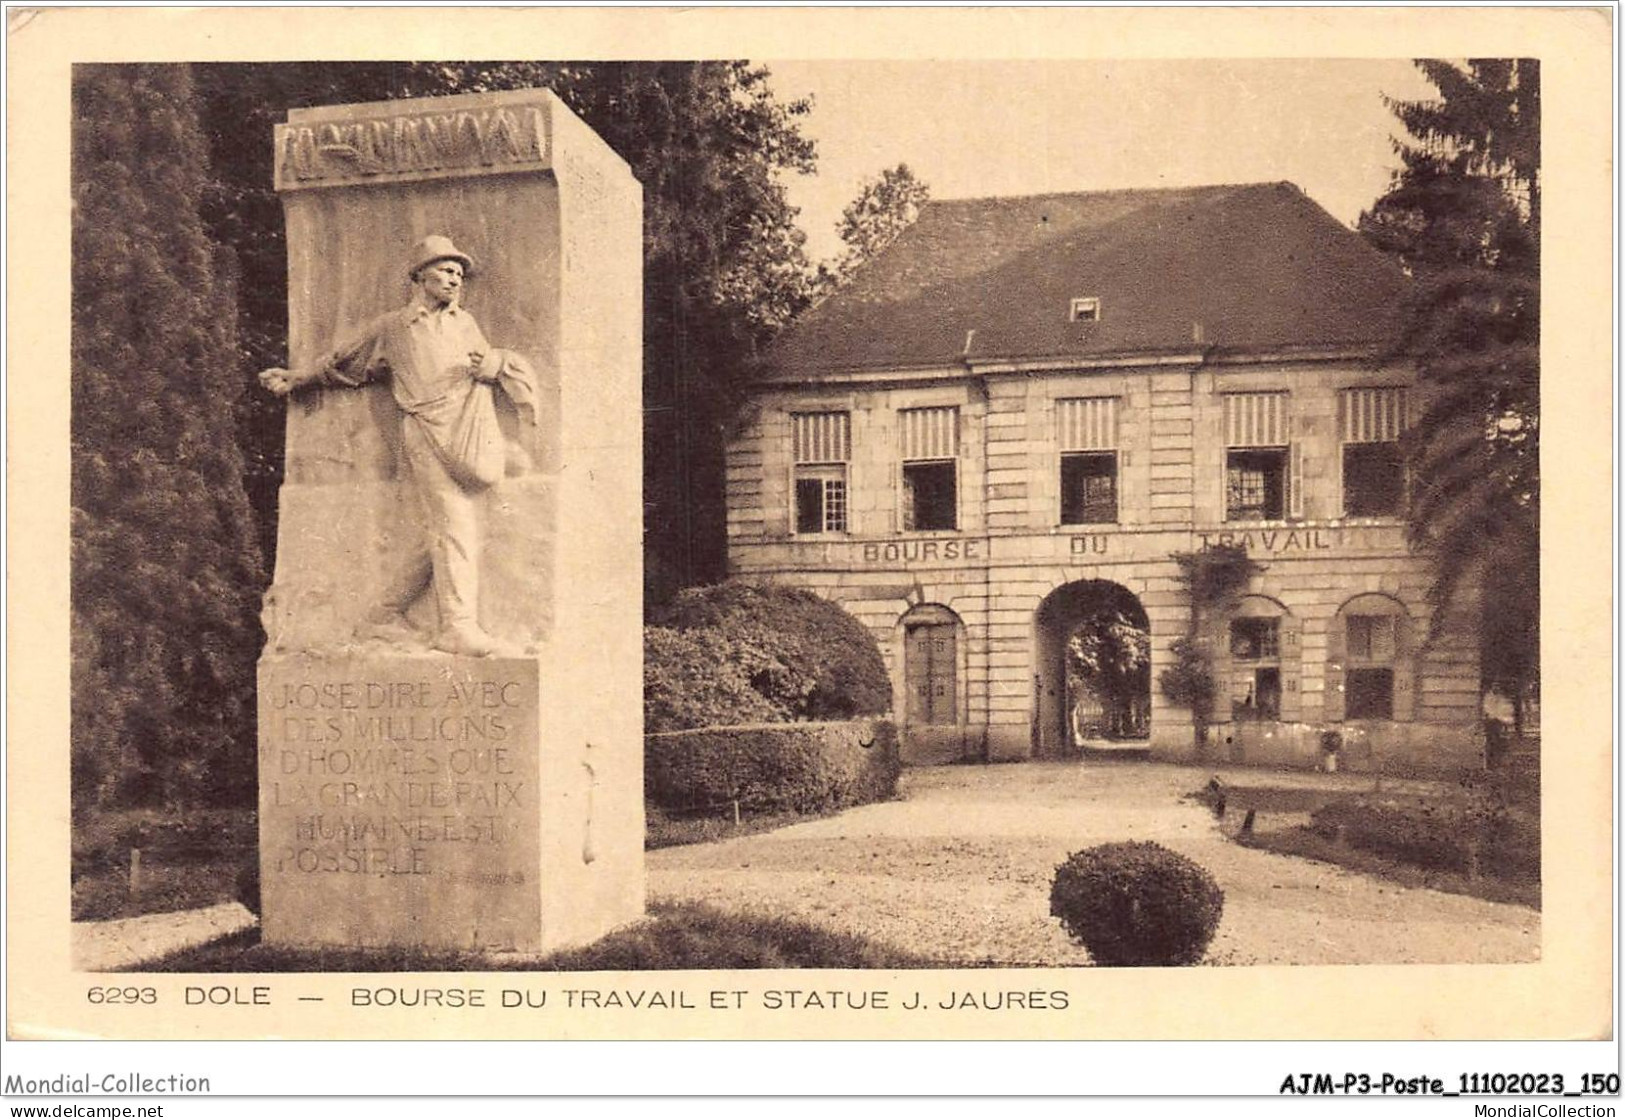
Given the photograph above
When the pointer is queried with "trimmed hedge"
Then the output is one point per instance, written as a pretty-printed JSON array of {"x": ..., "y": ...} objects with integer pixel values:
[
  {"x": 799, "y": 767},
  {"x": 1137, "y": 903}
]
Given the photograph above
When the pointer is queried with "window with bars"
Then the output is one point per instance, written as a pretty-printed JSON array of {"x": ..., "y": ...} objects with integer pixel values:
[
  {"x": 1369, "y": 693},
  {"x": 1370, "y": 637},
  {"x": 1256, "y": 643},
  {"x": 1253, "y": 639},
  {"x": 821, "y": 448},
  {"x": 1256, "y": 456},
  {"x": 1371, "y": 661},
  {"x": 1087, "y": 436},
  {"x": 1371, "y": 422},
  {"x": 1255, "y": 485},
  {"x": 930, "y": 439},
  {"x": 1371, "y": 646}
]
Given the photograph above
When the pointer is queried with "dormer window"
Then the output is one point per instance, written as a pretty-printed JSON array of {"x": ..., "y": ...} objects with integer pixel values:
[{"x": 1086, "y": 309}]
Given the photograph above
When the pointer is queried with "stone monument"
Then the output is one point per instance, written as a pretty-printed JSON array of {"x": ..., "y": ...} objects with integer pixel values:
[{"x": 450, "y": 697}]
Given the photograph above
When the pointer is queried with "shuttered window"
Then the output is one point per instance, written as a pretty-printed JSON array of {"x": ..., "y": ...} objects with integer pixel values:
[
  {"x": 929, "y": 433},
  {"x": 822, "y": 445},
  {"x": 1087, "y": 423},
  {"x": 1372, "y": 415},
  {"x": 1370, "y": 646},
  {"x": 1370, "y": 421},
  {"x": 1255, "y": 420},
  {"x": 1086, "y": 429},
  {"x": 1262, "y": 662},
  {"x": 930, "y": 468},
  {"x": 1256, "y": 436},
  {"x": 1371, "y": 663},
  {"x": 822, "y": 437}
]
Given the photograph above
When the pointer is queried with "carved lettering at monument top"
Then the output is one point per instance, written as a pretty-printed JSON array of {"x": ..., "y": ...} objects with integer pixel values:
[{"x": 412, "y": 145}]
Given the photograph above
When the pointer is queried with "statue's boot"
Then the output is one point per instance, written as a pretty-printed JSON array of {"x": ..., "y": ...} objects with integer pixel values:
[
  {"x": 467, "y": 639},
  {"x": 386, "y": 625}
]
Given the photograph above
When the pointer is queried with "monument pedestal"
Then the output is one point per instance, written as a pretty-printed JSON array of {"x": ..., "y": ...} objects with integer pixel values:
[
  {"x": 409, "y": 797},
  {"x": 401, "y": 801}
]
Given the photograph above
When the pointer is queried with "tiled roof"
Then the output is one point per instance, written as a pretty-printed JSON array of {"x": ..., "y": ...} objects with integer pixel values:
[{"x": 1261, "y": 267}]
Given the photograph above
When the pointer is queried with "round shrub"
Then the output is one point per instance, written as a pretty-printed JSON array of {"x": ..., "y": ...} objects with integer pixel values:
[
  {"x": 1137, "y": 903},
  {"x": 697, "y": 678},
  {"x": 802, "y": 653}
]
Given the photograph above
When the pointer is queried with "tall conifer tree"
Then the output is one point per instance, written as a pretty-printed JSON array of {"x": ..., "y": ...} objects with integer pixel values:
[
  {"x": 166, "y": 571},
  {"x": 1463, "y": 216}
]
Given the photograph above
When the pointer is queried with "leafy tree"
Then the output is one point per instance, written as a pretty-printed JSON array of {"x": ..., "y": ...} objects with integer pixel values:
[
  {"x": 1212, "y": 577},
  {"x": 724, "y": 264},
  {"x": 165, "y": 569},
  {"x": 886, "y": 206},
  {"x": 1111, "y": 652},
  {"x": 1463, "y": 216},
  {"x": 724, "y": 268},
  {"x": 1188, "y": 681}
]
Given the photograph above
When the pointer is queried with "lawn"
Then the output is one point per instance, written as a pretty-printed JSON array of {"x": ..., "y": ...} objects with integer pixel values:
[
  {"x": 1481, "y": 838},
  {"x": 674, "y": 936},
  {"x": 131, "y": 862},
  {"x": 670, "y": 830},
  {"x": 165, "y": 885},
  {"x": 179, "y": 870}
]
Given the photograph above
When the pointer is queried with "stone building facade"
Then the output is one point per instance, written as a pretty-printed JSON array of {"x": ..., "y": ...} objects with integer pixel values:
[{"x": 1017, "y": 415}]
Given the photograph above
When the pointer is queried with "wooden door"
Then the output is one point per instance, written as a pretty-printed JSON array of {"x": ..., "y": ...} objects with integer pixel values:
[{"x": 929, "y": 667}]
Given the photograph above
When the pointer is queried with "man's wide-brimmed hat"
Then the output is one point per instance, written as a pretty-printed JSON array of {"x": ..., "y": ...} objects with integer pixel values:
[{"x": 438, "y": 247}]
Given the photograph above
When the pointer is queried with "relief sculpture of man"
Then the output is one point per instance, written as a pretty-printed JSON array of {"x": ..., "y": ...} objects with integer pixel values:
[{"x": 442, "y": 375}]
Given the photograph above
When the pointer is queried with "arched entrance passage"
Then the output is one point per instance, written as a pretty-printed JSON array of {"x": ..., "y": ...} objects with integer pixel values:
[{"x": 1093, "y": 669}]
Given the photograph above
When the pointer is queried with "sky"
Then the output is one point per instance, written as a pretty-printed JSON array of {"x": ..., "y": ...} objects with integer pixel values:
[{"x": 972, "y": 129}]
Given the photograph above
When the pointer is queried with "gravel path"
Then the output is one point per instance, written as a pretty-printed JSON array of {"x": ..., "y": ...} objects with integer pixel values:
[{"x": 960, "y": 869}]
